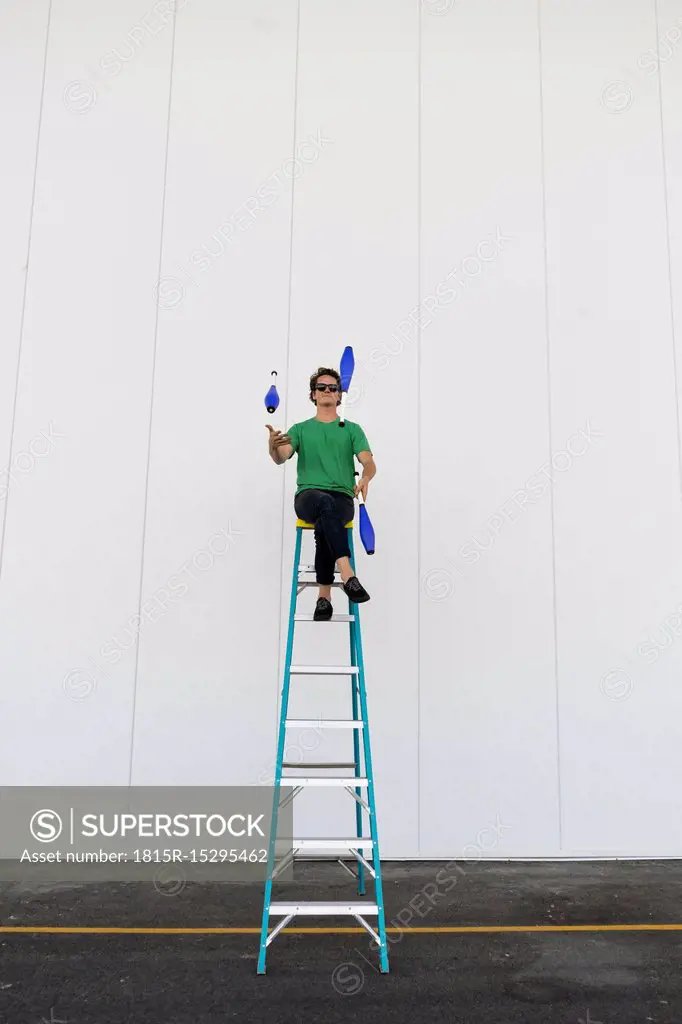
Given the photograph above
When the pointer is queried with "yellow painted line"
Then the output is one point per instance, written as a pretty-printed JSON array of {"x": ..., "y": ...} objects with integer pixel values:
[{"x": 439, "y": 930}]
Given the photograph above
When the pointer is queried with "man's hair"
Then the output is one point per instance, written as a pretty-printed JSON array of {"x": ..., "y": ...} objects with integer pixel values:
[{"x": 323, "y": 371}]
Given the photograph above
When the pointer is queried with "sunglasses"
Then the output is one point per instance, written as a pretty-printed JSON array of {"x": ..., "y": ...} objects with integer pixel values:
[{"x": 327, "y": 387}]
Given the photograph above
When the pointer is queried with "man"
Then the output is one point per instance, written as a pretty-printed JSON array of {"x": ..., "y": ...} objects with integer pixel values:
[{"x": 326, "y": 485}]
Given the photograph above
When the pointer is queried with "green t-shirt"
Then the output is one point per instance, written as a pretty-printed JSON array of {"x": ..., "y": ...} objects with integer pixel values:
[{"x": 325, "y": 454}]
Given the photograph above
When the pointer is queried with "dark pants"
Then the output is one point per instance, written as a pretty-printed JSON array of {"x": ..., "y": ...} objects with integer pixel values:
[{"x": 329, "y": 511}]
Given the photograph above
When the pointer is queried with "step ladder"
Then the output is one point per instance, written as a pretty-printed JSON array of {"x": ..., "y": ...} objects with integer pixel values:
[{"x": 355, "y": 776}]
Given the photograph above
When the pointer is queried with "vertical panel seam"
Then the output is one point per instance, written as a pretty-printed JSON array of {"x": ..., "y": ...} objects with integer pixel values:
[
  {"x": 26, "y": 273},
  {"x": 419, "y": 411},
  {"x": 669, "y": 255},
  {"x": 549, "y": 424},
  {"x": 286, "y": 372},
  {"x": 151, "y": 404}
]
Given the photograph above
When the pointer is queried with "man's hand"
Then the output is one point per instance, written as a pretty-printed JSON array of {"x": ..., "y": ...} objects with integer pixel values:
[
  {"x": 279, "y": 445},
  {"x": 361, "y": 488},
  {"x": 277, "y": 438}
]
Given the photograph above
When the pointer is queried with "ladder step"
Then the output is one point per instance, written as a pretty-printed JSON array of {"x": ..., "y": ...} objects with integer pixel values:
[
  {"x": 318, "y": 764},
  {"x": 352, "y": 843},
  {"x": 311, "y": 568},
  {"x": 307, "y": 577},
  {"x": 330, "y": 723},
  {"x": 348, "y": 780},
  {"x": 313, "y": 909},
  {"x": 324, "y": 670},
  {"x": 308, "y": 617},
  {"x": 314, "y": 583}
]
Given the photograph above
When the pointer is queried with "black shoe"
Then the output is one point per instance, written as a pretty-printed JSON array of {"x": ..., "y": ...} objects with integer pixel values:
[
  {"x": 355, "y": 590},
  {"x": 323, "y": 610}
]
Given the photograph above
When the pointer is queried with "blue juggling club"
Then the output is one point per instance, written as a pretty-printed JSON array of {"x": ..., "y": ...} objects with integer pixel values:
[
  {"x": 347, "y": 366},
  {"x": 272, "y": 398}
]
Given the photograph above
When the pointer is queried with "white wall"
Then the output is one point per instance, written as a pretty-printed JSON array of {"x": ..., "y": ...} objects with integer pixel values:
[{"x": 513, "y": 181}]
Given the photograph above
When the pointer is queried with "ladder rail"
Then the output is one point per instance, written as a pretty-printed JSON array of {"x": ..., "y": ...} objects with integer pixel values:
[
  {"x": 281, "y": 739},
  {"x": 369, "y": 771},
  {"x": 356, "y": 749}
]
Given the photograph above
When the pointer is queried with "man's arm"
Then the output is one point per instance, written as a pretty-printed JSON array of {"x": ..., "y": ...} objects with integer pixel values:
[
  {"x": 369, "y": 469},
  {"x": 366, "y": 459}
]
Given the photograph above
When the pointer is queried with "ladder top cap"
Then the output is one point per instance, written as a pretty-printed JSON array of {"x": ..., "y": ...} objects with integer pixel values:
[{"x": 302, "y": 525}]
